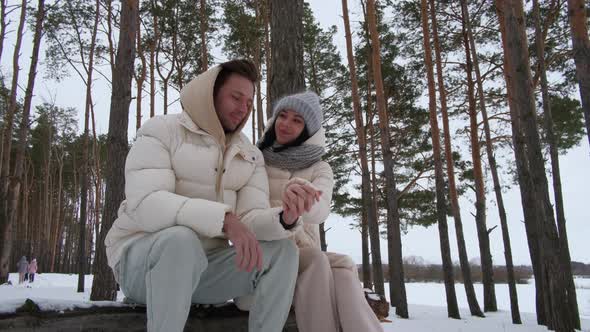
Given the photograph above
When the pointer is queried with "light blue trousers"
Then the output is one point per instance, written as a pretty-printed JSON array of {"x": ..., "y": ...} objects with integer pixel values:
[{"x": 169, "y": 270}]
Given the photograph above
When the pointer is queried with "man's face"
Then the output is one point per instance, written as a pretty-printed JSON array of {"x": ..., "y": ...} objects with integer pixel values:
[{"x": 233, "y": 101}]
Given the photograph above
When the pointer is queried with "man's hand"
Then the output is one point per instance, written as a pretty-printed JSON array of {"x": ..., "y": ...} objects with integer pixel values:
[
  {"x": 297, "y": 199},
  {"x": 248, "y": 251}
]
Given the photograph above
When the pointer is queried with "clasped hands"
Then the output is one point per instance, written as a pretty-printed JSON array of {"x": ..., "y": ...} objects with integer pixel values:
[{"x": 297, "y": 199}]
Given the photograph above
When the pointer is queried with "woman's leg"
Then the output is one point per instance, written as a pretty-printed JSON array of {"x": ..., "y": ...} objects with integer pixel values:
[
  {"x": 354, "y": 311},
  {"x": 315, "y": 307}
]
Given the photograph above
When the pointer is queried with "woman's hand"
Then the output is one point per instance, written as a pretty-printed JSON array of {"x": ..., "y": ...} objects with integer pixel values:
[{"x": 297, "y": 199}]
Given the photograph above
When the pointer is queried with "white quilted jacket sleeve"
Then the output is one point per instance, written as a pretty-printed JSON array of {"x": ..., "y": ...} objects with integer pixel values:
[
  {"x": 253, "y": 207},
  {"x": 150, "y": 187}
]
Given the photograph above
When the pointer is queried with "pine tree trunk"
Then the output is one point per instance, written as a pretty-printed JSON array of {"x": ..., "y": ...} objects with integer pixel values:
[
  {"x": 97, "y": 173},
  {"x": 165, "y": 84},
  {"x": 6, "y": 226},
  {"x": 45, "y": 196},
  {"x": 258, "y": 64},
  {"x": 45, "y": 213},
  {"x": 69, "y": 243},
  {"x": 153, "y": 70},
  {"x": 441, "y": 204},
  {"x": 527, "y": 198},
  {"x": 555, "y": 171},
  {"x": 176, "y": 51},
  {"x": 496, "y": 180},
  {"x": 374, "y": 234},
  {"x": 463, "y": 260},
  {"x": 555, "y": 293},
  {"x": 366, "y": 268},
  {"x": 25, "y": 204},
  {"x": 49, "y": 214},
  {"x": 487, "y": 268},
  {"x": 203, "y": 28},
  {"x": 111, "y": 47},
  {"x": 3, "y": 25},
  {"x": 581, "y": 49},
  {"x": 267, "y": 54},
  {"x": 259, "y": 111},
  {"x": 323, "y": 242},
  {"x": 55, "y": 232},
  {"x": 286, "y": 28},
  {"x": 165, "y": 78},
  {"x": 396, "y": 279},
  {"x": 14, "y": 194},
  {"x": 368, "y": 213},
  {"x": 139, "y": 77},
  {"x": 104, "y": 286},
  {"x": 373, "y": 223},
  {"x": 85, "y": 160}
]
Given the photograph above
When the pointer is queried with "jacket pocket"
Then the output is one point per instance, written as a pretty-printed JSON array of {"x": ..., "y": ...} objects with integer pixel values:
[
  {"x": 248, "y": 156},
  {"x": 240, "y": 169}
]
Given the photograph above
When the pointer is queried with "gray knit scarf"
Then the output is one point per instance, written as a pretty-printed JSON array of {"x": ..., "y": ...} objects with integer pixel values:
[{"x": 293, "y": 158}]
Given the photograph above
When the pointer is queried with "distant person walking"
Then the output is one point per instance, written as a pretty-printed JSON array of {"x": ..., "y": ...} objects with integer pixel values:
[
  {"x": 32, "y": 269},
  {"x": 23, "y": 268}
]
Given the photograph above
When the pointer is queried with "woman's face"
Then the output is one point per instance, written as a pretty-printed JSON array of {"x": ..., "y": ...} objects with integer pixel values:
[{"x": 288, "y": 126}]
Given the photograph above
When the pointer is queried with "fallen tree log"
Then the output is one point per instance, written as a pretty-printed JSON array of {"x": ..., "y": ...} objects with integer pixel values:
[{"x": 125, "y": 318}]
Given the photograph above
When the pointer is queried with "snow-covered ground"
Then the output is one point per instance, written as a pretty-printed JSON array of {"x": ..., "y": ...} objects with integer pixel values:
[
  {"x": 434, "y": 294},
  {"x": 426, "y": 304}
]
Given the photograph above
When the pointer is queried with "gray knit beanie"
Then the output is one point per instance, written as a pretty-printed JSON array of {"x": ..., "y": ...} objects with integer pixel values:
[{"x": 307, "y": 104}]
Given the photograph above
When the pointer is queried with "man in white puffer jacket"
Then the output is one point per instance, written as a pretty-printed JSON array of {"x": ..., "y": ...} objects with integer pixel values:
[{"x": 193, "y": 182}]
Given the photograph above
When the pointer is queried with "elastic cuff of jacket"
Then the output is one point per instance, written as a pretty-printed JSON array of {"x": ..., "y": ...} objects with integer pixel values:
[{"x": 282, "y": 221}]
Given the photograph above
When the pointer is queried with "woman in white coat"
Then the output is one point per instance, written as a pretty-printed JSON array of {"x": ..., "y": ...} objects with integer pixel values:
[{"x": 328, "y": 294}]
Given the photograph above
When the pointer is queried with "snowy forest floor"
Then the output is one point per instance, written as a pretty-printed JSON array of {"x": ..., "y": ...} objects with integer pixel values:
[{"x": 427, "y": 310}]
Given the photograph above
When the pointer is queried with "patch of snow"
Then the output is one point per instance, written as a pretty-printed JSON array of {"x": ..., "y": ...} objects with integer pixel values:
[
  {"x": 582, "y": 283},
  {"x": 427, "y": 304},
  {"x": 52, "y": 292}
]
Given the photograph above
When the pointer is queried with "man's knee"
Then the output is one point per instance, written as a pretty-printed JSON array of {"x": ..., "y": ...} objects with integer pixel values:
[
  {"x": 287, "y": 249},
  {"x": 282, "y": 251},
  {"x": 182, "y": 245}
]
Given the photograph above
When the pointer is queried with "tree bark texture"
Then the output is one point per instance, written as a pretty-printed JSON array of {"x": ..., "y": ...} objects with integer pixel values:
[
  {"x": 581, "y": 47},
  {"x": 6, "y": 227},
  {"x": 286, "y": 44},
  {"x": 441, "y": 204},
  {"x": 515, "y": 312},
  {"x": 104, "y": 286},
  {"x": 516, "y": 50},
  {"x": 396, "y": 279},
  {"x": 487, "y": 268}
]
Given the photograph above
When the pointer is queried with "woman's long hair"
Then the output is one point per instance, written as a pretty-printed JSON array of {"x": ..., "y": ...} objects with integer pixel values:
[{"x": 270, "y": 137}]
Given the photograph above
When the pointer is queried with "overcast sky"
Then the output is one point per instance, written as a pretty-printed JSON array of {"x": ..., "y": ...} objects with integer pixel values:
[{"x": 418, "y": 241}]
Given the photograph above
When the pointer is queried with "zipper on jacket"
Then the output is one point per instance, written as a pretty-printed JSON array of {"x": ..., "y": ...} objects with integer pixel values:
[{"x": 220, "y": 170}]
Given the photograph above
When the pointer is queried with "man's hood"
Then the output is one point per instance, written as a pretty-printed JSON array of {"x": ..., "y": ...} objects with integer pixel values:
[{"x": 196, "y": 99}]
